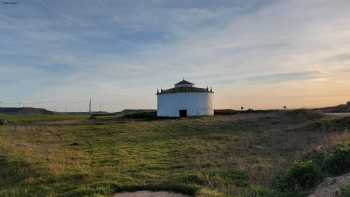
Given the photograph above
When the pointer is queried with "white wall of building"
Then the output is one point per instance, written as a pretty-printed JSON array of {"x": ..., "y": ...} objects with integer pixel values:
[{"x": 196, "y": 104}]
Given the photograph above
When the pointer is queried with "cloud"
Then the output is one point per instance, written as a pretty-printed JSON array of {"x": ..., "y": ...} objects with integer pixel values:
[
  {"x": 286, "y": 77},
  {"x": 268, "y": 79},
  {"x": 339, "y": 58}
]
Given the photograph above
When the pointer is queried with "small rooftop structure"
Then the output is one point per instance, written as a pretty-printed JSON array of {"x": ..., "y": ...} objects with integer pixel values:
[
  {"x": 184, "y": 83},
  {"x": 184, "y": 86}
]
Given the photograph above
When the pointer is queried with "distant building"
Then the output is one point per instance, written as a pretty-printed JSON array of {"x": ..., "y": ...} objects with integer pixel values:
[{"x": 185, "y": 100}]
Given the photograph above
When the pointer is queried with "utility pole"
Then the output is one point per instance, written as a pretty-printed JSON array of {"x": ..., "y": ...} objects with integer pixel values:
[{"x": 90, "y": 106}]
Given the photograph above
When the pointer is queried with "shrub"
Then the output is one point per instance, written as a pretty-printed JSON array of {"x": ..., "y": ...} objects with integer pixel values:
[
  {"x": 303, "y": 176},
  {"x": 346, "y": 191},
  {"x": 193, "y": 179},
  {"x": 300, "y": 177},
  {"x": 336, "y": 162}
]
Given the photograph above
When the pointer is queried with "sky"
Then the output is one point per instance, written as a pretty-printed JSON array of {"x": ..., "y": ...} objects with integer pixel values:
[{"x": 254, "y": 53}]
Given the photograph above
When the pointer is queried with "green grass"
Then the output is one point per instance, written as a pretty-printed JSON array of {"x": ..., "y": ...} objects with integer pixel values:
[
  {"x": 28, "y": 119},
  {"x": 210, "y": 156}
]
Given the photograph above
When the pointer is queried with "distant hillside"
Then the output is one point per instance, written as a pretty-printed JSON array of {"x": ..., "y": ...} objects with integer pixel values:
[
  {"x": 128, "y": 112},
  {"x": 233, "y": 111},
  {"x": 24, "y": 110},
  {"x": 336, "y": 109}
]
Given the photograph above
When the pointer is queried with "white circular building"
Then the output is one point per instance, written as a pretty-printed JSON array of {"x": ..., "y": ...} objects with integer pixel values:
[{"x": 185, "y": 100}]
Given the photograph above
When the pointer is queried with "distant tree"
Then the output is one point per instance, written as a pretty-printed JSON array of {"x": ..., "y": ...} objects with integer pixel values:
[
  {"x": 284, "y": 107},
  {"x": 242, "y": 108}
]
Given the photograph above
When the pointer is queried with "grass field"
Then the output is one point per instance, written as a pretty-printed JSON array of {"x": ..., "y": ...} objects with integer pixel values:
[
  {"x": 210, "y": 156},
  {"x": 38, "y": 118}
]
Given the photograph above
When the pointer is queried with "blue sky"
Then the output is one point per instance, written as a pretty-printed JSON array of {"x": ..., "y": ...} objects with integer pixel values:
[{"x": 255, "y": 53}]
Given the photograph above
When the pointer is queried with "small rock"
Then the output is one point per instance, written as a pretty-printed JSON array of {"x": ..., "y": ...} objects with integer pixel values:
[{"x": 4, "y": 122}]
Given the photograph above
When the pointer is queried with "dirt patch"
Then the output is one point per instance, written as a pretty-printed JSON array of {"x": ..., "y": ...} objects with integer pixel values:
[
  {"x": 331, "y": 187},
  {"x": 149, "y": 194}
]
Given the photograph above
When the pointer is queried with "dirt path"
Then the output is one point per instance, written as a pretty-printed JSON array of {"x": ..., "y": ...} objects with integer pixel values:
[
  {"x": 331, "y": 187},
  {"x": 149, "y": 194}
]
